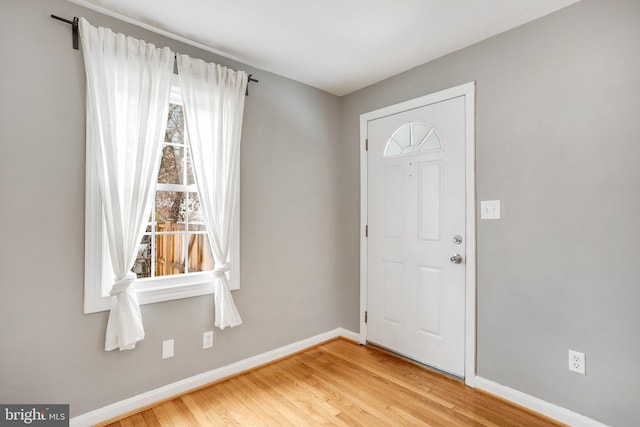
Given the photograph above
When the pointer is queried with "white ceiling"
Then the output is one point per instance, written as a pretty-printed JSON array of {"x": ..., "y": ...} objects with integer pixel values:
[{"x": 336, "y": 45}]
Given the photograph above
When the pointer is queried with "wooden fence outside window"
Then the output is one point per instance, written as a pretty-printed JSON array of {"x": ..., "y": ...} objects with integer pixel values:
[{"x": 170, "y": 249}]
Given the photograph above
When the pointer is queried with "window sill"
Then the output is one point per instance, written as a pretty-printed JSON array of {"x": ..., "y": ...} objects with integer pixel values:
[{"x": 150, "y": 291}]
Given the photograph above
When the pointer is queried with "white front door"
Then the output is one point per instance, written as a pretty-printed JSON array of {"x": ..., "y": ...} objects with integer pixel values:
[{"x": 417, "y": 233}]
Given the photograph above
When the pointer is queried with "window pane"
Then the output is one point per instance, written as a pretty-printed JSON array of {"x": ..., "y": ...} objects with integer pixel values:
[
  {"x": 170, "y": 254},
  {"x": 419, "y": 133},
  {"x": 190, "y": 179},
  {"x": 172, "y": 165},
  {"x": 142, "y": 264},
  {"x": 168, "y": 206},
  {"x": 431, "y": 142},
  {"x": 175, "y": 125},
  {"x": 392, "y": 148},
  {"x": 403, "y": 136},
  {"x": 197, "y": 228},
  {"x": 195, "y": 209},
  {"x": 200, "y": 258}
]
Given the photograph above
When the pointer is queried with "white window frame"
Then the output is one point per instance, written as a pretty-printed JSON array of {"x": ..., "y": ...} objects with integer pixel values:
[{"x": 98, "y": 275}]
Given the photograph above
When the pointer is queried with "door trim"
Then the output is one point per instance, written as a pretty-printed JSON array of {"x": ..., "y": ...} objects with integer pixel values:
[{"x": 468, "y": 90}]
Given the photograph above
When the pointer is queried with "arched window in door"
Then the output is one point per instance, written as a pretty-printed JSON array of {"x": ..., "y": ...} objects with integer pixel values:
[{"x": 411, "y": 138}]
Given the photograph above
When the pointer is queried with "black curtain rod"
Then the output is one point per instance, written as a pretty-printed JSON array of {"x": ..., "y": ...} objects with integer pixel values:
[
  {"x": 250, "y": 78},
  {"x": 74, "y": 28},
  {"x": 74, "y": 32}
]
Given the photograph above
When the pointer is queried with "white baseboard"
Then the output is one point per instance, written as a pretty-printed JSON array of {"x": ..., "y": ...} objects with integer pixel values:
[
  {"x": 538, "y": 405},
  {"x": 136, "y": 402},
  {"x": 345, "y": 333}
]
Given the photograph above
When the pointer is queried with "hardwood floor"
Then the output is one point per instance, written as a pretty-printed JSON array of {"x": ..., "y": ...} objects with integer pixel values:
[{"x": 337, "y": 383}]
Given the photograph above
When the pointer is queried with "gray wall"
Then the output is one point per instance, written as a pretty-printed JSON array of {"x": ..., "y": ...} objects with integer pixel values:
[
  {"x": 557, "y": 109},
  {"x": 49, "y": 350},
  {"x": 557, "y": 143}
]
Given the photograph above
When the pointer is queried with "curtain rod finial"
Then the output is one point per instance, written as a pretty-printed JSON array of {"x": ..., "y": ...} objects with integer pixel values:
[
  {"x": 74, "y": 28},
  {"x": 74, "y": 31}
]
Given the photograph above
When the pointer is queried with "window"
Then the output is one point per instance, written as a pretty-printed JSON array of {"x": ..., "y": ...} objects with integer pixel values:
[
  {"x": 175, "y": 241},
  {"x": 412, "y": 138},
  {"x": 174, "y": 259}
]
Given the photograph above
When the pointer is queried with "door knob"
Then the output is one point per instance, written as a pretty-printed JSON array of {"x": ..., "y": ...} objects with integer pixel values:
[{"x": 456, "y": 259}]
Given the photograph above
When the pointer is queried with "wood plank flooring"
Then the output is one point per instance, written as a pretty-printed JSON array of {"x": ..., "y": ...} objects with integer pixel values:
[{"x": 337, "y": 383}]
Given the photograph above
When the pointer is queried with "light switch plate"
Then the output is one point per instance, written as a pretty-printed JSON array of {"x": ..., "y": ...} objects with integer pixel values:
[{"x": 490, "y": 209}]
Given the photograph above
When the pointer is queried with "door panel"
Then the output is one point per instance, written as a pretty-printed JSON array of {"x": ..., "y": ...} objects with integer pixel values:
[
  {"x": 416, "y": 204},
  {"x": 392, "y": 292},
  {"x": 429, "y": 302},
  {"x": 393, "y": 212},
  {"x": 429, "y": 201}
]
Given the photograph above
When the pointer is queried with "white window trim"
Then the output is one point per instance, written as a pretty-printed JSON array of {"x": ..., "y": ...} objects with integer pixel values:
[{"x": 98, "y": 275}]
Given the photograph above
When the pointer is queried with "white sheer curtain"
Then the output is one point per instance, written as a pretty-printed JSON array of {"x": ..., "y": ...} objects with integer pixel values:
[
  {"x": 128, "y": 86},
  {"x": 213, "y": 107}
]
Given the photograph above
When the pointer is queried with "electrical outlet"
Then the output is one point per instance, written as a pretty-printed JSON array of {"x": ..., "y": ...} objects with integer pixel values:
[
  {"x": 207, "y": 339},
  {"x": 577, "y": 362},
  {"x": 167, "y": 349}
]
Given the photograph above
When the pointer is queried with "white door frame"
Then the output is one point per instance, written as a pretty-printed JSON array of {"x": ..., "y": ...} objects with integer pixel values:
[{"x": 468, "y": 90}]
